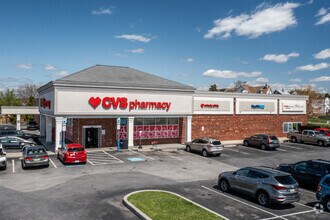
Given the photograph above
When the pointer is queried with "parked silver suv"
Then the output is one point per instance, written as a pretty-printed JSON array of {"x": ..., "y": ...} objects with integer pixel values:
[
  {"x": 266, "y": 184},
  {"x": 206, "y": 146}
]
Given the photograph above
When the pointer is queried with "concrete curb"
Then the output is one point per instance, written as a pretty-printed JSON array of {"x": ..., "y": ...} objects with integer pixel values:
[{"x": 143, "y": 216}]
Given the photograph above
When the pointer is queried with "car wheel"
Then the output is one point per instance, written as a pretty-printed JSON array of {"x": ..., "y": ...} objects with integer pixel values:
[
  {"x": 263, "y": 147},
  {"x": 293, "y": 139},
  {"x": 204, "y": 153},
  {"x": 263, "y": 198},
  {"x": 327, "y": 204},
  {"x": 246, "y": 143},
  {"x": 320, "y": 143},
  {"x": 23, "y": 166},
  {"x": 224, "y": 185},
  {"x": 217, "y": 155},
  {"x": 188, "y": 148}
]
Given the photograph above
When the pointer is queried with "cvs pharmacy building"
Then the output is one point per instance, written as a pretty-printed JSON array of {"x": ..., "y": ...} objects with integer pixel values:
[{"x": 86, "y": 106}]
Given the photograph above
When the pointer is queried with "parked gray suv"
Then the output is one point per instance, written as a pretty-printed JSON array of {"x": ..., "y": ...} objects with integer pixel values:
[
  {"x": 206, "y": 146},
  {"x": 263, "y": 141},
  {"x": 266, "y": 184}
]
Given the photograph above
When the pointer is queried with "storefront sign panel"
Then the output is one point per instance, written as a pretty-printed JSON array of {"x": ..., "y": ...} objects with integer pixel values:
[
  {"x": 46, "y": 102},
  {"x": 118, "y": 104},
  {"x": 209, "y": 105},
  {"x": 256, "y": 106},
  {"x": 292, "y": 107}
]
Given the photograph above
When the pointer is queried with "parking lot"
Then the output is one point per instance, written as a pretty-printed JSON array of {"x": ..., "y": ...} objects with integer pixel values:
[{"x": 188, "y": 174}]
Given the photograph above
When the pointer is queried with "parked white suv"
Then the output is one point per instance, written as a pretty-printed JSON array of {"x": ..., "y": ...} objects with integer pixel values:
[{"x": 3, "y": 159}]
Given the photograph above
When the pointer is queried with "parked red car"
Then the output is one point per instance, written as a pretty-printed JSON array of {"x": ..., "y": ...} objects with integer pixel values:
[
  {"x": 325, "y": 131},
  {"x": 72, "y": 153}
]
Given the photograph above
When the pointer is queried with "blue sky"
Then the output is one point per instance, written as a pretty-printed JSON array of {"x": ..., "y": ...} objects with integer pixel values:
[{"x": 195, "y": 42}]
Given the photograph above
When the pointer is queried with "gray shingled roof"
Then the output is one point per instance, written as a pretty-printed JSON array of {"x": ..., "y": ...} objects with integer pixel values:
[{"x": 125, "y": 77}]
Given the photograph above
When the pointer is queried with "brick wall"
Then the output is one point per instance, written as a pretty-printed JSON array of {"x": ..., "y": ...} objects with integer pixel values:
[{"x": 236, "y": 127}]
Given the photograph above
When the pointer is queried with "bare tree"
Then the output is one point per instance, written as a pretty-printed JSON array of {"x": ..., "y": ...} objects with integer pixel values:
[
  {"x": 238, "y": 84},
  {"x": 26, "y": 91}
]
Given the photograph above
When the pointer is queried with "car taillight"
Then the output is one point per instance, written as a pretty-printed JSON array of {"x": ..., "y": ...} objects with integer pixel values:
[
  {"x": 319, "y": 188},
  {"x": 268, "y": 140},
  {"x": 45, "y": 157},
  {"x": 278, "y": 187},
  {"x": 27, "y": 158}
]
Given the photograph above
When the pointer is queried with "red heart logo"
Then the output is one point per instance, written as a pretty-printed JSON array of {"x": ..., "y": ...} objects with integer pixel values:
[{"x": 94, "y": 102}]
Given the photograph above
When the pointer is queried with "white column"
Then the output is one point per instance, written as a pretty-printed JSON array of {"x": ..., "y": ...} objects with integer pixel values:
[
  {"x": 42, "y": 126},
  {"x": 188, "y": 128},
  {"x": 58, "y": 130},
  {"x": 18, "y": 122},
  {"x": 130, "y": 131},
  {"x": 48, "y": 129}
]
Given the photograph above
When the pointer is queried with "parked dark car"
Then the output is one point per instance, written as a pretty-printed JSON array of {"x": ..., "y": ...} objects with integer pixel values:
[
  {"x": 3, "y": 158},
  {"x": 14, "y": 142},
  {"x": 266, "y": 184},
  {"x": 206, "y": 146},
  {"x": 34, "y": 156},
  {"x": 7, "y": 126},
  {"x": 323, "y": 192},
  {"x": 17, "y": 133},
  {"x": 32, "y": 125},
  {"x": 263, "y": 141},
  {"x": 308, "y": 173}
]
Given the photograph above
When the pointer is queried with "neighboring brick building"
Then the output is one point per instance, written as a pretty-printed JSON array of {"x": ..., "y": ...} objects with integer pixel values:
[{"x": 88, "y": 104}]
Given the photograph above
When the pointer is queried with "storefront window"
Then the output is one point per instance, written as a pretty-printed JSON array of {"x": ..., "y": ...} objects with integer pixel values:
[
  {"x": 153, "y": 128},
  {"x": 291, "y": 126}
]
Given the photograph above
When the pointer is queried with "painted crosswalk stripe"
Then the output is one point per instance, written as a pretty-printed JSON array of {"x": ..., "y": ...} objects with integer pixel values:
[{"x": 13, "y": 162}]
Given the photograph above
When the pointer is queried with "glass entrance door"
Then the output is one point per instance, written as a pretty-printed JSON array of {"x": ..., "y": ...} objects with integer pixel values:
[{"x": 91, "y": 137}]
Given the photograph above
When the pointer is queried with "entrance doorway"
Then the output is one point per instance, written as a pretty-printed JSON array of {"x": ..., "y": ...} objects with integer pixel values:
[{"x": 92, "y": 137}]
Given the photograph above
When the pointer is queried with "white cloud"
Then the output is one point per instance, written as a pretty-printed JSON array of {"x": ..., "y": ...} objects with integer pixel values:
[
  {"x": 310, "y": 2},
  {"x": 281, "y": 58},
  {"x": 189, "y": 60},
  {"x": 321, "y": 12},
  {"x": 262, "y": 80},
  {"x": 323, "y": 15},
  {"x": 139, "y": 50},
  {"x": 295, "y": 80},
  {"x": 120, "y": 55},
  {"x": 315, "y": 67},
  {"x": 26, "y": 66},
  {"x": 134, "y": 37},
  {"x": 102, "y": 11},
  {"x": 323, "y": 54},
  {"x": 60, "y": 74},
  {"x": 49, "y": 67},
  {"x": 228, "y": 74},
  {"x": 264, "y": 20},
  {"x": 321, "y": 79}
]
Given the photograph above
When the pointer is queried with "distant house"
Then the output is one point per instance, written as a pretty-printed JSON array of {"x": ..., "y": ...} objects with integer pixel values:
[
  {"x": 282, "y": 92},
  {"x": 266, "y": 89}
]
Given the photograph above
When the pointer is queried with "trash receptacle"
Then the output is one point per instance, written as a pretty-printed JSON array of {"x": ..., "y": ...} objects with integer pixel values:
[{"x": 123, "y": 144}]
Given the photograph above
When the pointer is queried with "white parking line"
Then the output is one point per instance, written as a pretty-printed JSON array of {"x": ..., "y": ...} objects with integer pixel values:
[
  {"x": 169, "y": 154},
  {"x": 297, "y": 148},
  {"x": 90, "y": 162},
  {"x": 259, "y": 150},
  {"x": 52, "y": 163},
  {"x": 307, "y": 191},
  {"x": 237, "y": 151},
  {"x": 279, "y": 149},
  {"x": 142, "y": 154},
  {"x": 113, "y": 157},
  {"x": 255, "y": 207},
  {"x": 291, "y": 214},
  {"x": 224, "y": 155},
  {"x": 13, "y": 162}
]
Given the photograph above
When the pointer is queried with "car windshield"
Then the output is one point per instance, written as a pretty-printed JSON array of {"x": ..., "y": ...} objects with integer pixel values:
[
  {"x": 32, "y": 123},
  {"x": 35, "y": 151},
  {"x": 216, "y": 142},
  {"x": 274, "y": 138},
  {"x": 75, "y": 149},
  {"x": 285, "y": 180}
]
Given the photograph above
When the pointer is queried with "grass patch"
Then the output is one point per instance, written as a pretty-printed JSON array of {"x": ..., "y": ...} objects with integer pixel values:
[{"x": 162, "y": 206}]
